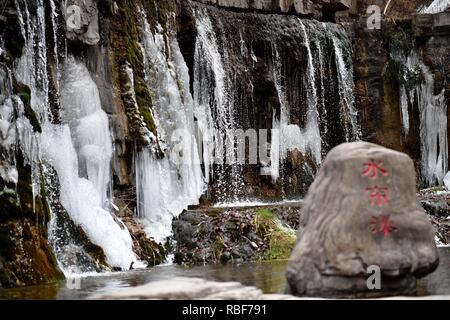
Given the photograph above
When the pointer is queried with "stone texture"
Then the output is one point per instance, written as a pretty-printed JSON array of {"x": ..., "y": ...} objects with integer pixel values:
[
  {"x": 84, "y": 26},
  {"x": 441, "y": 22},
  {"x": 191, "y": 289},
  {"x": 26, "y": 257},
  {"x": 377, "y": 90},
  {"x": 337, "y": 240},
  {"x": 235, "y": 234},
  {"x": 305, "y": 7},
  {"x": 302, "y": 7}
]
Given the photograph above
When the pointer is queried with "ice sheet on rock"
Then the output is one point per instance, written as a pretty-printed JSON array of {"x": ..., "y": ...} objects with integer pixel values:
[{"x": 80, "y": 151}]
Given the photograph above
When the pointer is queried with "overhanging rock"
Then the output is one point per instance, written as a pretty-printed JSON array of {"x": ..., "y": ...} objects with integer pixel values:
[
  {"x": 81, "y": 21},
  {"x": 362, "y": 211},
  {"x": 302, "y": 7}
]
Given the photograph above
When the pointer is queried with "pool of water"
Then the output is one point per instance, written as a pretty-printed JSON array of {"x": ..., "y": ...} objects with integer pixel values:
[{"x": 268, "y": 276}]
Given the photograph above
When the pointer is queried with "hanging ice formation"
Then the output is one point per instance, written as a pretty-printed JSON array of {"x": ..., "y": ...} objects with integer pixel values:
[
  {"x": 80, "y": 148},
  {"x": 165, "y": 187},
  {"x": 433, "y": 116}
]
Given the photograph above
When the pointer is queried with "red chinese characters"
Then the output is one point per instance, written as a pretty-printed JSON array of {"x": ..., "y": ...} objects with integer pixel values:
[
  {"x": 383, "y": 225},
  {"x": 378, "y": 196},
  {"x": 372, "y": 168}
]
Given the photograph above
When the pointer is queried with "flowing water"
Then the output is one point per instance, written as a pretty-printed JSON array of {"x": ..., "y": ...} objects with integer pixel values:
[{"x": 267, "y": 276}]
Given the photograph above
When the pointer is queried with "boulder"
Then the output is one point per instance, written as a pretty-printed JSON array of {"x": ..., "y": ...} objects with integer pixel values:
[
  {"x": 361, "y": 211},
  {"x": 81, "y": 21}
]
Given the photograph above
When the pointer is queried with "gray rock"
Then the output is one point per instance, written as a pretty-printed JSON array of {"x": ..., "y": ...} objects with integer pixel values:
[
  {"x": 441, "y": 22},
  {"x": 357, "y": 215},
  {"x": 303, "y": 7},
  {"x": 81, "y": 18},
  {"x": 337, "y": 5}
]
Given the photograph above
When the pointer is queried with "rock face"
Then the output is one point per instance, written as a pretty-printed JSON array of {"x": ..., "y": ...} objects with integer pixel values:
[
  {"x": 81, "y": 17},
  {"x": 361, "y": 211},
  {"x": 26, "y": 258},
  {"x": 235, "y": 235},
  {"x": 301, "y": 7}
]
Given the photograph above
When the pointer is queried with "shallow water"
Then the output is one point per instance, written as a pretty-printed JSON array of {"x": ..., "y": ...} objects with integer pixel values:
[{"x": 268, "y": 276}]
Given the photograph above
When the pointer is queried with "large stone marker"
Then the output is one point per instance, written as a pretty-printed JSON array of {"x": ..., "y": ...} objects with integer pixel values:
[{"x": 361, "y": 213}]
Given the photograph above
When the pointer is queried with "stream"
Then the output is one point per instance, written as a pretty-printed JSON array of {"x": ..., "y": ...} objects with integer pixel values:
[{"x": 267, "y": 276}]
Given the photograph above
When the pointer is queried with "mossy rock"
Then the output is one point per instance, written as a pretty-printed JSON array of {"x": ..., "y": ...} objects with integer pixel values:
[
  {"x": 96, "y": 252},
  {"x": 135, "y": 58},
  {"x": 151, "y": 252},
  {"x": 6, "y": 278},
  {"x": 9, "y": 204},
  {"x": 281, "y": 239},
  {"x": 409, "y": 78},
  {"x": 24, "y": 93},
  {"x": 5, "y": 239},
  {"x": 30, "y": 259}
]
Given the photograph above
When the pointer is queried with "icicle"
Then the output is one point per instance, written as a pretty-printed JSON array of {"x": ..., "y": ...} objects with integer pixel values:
[
  {"x": 165, "y": 187},
  {"x": 433, "y": 116},
  {"x": 433, "y": 130}
]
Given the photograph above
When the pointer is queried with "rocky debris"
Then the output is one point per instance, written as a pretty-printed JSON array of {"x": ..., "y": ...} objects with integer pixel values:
[
  {"x": 436, "y": 202},
  {"x": 442, "y": 229},
  {"x": 144, "y": 247},
  {"x": 235, "y": 235},
  {"x": 362, "y": 210},
  {"x": 191, "y": 289},
  {"x": 81, "y": 21}
]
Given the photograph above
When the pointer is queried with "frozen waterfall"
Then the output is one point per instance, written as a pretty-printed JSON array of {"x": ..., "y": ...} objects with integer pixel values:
[
  {"x": 433, "y": 117},
  {"x": 80, "y": 150},
  {"x": 165, "y": 187}
]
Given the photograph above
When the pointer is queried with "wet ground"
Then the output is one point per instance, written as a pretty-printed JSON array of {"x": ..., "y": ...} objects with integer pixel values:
[{"x": 268, "y": 276}]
